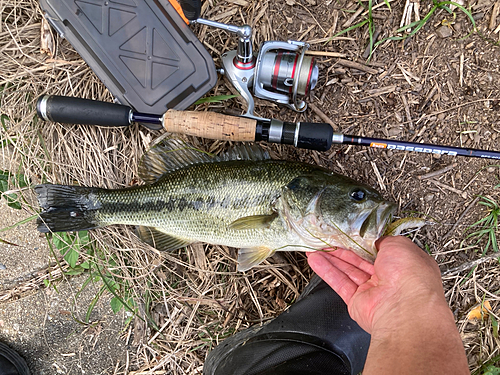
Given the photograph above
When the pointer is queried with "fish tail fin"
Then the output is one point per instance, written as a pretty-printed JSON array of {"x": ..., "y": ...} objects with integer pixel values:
[{"x": 66, "y": 208}]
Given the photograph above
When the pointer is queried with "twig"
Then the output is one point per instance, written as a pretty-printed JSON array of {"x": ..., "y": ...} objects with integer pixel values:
[
  {"x": 469, "y": 265},
  {"x": 242, "y": 3},
  {"x": 410, "y": 8},
  {"x": 335, "y": 20},
  {"x": 438, "y": 172},
  {"x": 471, "y": 180},
  {"x": 429, "y": 97},
  {"x": 322, "y": 115},
  {"x": 408, "y": 73},
  {"x": 224, "y": 15},
  {"x": 379, "y": 177},
  {"x": 460, "y": 218},
  {"x": 406, "y": 18},
  {"x": 462, "y": 105},
  {"x": 463, "y": 194},
  {"x": 325, "y": 53},
  {"x": 377, "y": 92},
  {"x": 52, "y": 273},
  {"x": 353, "y": 17},
  {"x": 461, "y": 70},
  {"x": 324, "y": 40},
  {"x": 407, "y": 110},
  {"x": 306, "y": 32},
  {"x": 355, "y": 65},
  {"x": 494, "y": 15}
]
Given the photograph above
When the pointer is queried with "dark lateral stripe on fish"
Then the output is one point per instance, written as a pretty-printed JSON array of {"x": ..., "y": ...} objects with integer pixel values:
[{"x": 181, "y": 204}]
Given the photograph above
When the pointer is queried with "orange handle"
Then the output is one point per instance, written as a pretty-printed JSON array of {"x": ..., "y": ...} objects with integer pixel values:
[
  {"x": 178, "y": 9},
  {"x": 210, "y": 125}
]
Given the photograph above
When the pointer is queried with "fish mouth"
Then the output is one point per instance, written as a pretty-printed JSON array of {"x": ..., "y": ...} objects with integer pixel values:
[{"x": 374, "y": 222}]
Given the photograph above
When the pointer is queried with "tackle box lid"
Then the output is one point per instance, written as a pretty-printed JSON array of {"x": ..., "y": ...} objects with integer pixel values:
[{"x": 142, "y": 50}]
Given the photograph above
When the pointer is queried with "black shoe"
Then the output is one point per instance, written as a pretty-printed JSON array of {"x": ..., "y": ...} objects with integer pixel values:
[
  {"x": 315, "y": 335},
  {"x": 11, "y": 363}
]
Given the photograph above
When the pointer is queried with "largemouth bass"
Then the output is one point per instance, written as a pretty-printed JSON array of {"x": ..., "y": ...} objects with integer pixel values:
[{"x": 241, "y": 199}]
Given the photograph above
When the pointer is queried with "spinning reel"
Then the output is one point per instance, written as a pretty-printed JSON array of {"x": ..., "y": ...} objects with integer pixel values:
[{"x": 281, "y": 72}]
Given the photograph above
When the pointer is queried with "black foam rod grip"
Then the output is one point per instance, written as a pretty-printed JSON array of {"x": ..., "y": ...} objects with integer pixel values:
[
  {"x": 70, "y": 110},
  {"x": 315, "y": 136}
]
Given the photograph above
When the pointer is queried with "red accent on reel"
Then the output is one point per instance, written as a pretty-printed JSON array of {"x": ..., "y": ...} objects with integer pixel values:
[{"x": 244, "y": 66}]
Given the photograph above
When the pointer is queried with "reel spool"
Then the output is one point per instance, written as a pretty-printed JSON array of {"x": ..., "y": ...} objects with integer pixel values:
[{"x": 283, "y": 72}]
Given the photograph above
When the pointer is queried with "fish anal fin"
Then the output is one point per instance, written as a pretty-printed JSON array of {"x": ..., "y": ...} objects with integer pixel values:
[
  {"x": 253, "y": 222},
  {"x": 253, "y": 256},
  {"x": 160, "y": 240}
]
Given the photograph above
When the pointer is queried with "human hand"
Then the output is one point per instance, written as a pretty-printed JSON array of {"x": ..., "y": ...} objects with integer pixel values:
[
  {"x": 400, "y": 301},
  {"x": 404, "y": 281}
]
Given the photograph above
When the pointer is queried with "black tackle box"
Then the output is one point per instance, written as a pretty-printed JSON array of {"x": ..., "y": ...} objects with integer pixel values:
[{"x": 142, "y": 50}]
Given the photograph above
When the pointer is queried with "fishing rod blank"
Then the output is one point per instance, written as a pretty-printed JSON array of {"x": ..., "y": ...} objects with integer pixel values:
[{"x": 413, "y": 146}]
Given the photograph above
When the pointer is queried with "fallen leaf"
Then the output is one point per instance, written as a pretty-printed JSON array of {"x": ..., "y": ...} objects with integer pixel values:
[
  {"x": 47, "y": 45},
  {"x": 480, "y": 311},
  {"x": 280, "y": 302}
]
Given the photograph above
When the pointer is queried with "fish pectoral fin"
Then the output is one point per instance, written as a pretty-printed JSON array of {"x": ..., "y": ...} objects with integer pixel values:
[
  {"x": 160, "y": 240},
  {"x": 253, "y": 256},
  {"x": 253, "y": 222}
]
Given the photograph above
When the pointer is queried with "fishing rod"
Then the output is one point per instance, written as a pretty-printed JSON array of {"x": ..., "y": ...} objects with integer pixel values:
[{"x": 211, "y": 125}]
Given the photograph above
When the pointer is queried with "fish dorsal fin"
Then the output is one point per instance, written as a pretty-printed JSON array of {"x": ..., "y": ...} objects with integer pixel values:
[
  {"x": 171, "y": 154},
  {"x": 167, "y": 156},
  {"x": 160, "y": 240},
  {"x": 253, "y": 256},
  {"x": 244, "y": 152}
]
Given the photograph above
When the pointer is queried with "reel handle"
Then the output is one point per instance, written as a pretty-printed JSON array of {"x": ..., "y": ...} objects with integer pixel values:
[{"x": 210, "y": 125}]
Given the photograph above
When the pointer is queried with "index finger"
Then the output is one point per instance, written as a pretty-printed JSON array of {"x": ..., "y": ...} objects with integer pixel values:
[
  {"x": 338, "y": 280},
  {"x": 354, "y": 259}
]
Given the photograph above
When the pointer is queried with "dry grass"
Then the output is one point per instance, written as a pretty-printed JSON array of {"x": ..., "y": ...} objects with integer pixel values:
[{"x": 193, "y": 298}]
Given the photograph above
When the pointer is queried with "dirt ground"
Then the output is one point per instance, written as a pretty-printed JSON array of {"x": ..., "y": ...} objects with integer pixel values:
[
  {"x": 440, "y": 86},
  {"x": 48, "y": 325}
]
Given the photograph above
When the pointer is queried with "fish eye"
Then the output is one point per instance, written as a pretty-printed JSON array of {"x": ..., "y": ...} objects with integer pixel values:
[{"x": 357, "y": 195}]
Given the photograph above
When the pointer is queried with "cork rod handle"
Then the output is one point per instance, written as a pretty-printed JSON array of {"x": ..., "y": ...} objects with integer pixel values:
[{"x": 210, "y": 125}]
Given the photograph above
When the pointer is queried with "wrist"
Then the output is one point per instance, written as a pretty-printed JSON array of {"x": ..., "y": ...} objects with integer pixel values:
[
  {"x": 403, "y": 316},
  {"x": 419, "y": 342}
]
